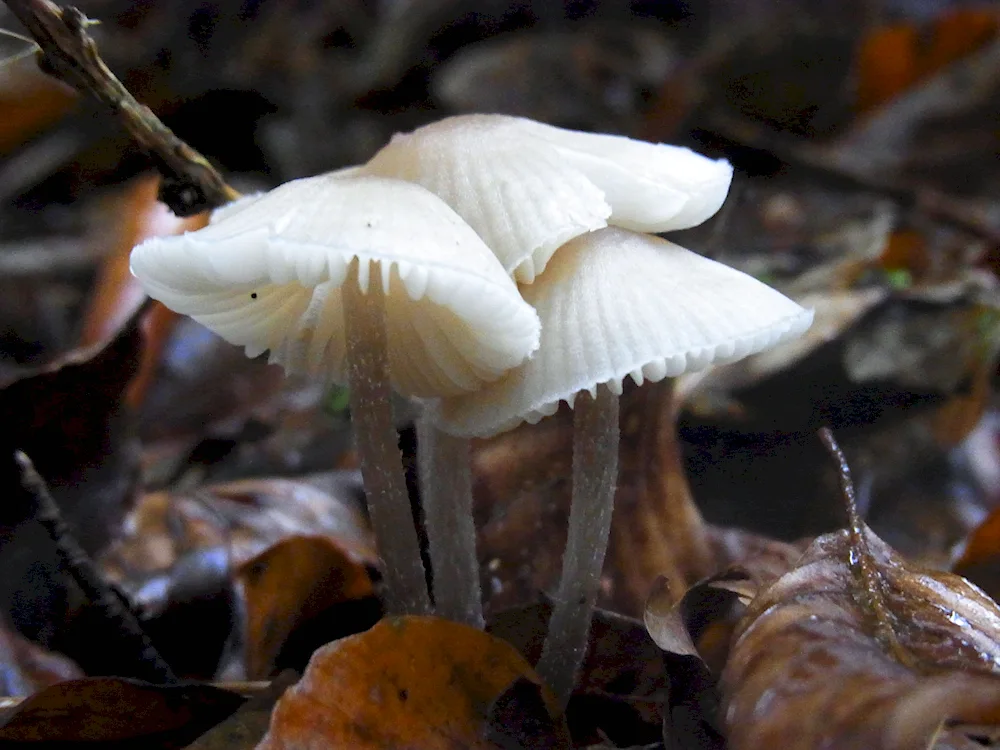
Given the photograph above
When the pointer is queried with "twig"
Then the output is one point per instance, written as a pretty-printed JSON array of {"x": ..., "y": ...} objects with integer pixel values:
[
  {"x": 818, "y": 159},
  {"x": 190, "y": 183},
  {"x": 133, "y": 647}
]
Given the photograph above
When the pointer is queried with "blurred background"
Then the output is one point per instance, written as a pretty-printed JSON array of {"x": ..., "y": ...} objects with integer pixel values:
[{"x": 865, "y": 135}]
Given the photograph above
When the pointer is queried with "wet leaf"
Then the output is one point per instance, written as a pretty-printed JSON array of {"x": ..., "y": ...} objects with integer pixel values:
[
  {"x": 111, "y": 710},
  {"x": 811, "y": 646},
  {"x": 407, "y": 682}
]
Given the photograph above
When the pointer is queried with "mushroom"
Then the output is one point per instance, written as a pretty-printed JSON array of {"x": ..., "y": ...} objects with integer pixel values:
[
  {"x": 614, "y": 304},
  {"x": 528, "y": 188},
  {"x": 367, "y": 280}
]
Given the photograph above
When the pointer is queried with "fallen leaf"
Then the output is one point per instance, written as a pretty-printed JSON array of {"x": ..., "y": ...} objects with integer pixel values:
[
  {"x": 980, "y": 559},
  {"x": 113, "y": 710},
  {"x": 26, "y": 668},
  {"x": 135, "y": 216},
  {"x": 407, "y": 682},
  {"x": 245, "y": 728},
  {"x": 30, "y": 101},
  {"x": 522, "y": 490},
  {"x": 286, "y": 585},
  {"x": 693, "y": 628},
  {"x": 622, "y": 686},
  {"x": 251, "y": 560},
  {"x": 810, "y": 668},
  {"x": 67, "y": 417},
  {"x": 893, "y": 58}
]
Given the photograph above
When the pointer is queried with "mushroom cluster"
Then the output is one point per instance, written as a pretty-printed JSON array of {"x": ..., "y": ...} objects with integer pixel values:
[
  {"x": 571, "y": 217},
  {"x": 361, "y": 280},
  {"x": 495, "y": 268}
]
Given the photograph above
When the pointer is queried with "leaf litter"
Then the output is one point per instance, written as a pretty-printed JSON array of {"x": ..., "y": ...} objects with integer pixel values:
[{"x": 863, "y": 182}]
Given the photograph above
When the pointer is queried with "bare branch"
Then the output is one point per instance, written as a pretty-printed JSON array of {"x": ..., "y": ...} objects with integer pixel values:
[{"x": 190, "y": 183}]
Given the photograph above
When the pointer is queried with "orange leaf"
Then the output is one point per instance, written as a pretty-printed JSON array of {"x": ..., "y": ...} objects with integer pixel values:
[
  {"x": 417, "y": 682},
  {"x": 893, "y": 58},
  {"x": 138, "y": 217},
  {"x": 906, "y": 249},
  {"x": 287, "y": 584},
  {"x": 956, "y": 34},
  {"x": 887, "y": 64},
  {"x": 30, "y": 102}
]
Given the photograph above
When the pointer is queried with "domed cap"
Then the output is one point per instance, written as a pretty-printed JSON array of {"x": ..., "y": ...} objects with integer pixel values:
[
  {"x": 617, "y": 304},
  {"x": 267, "y": 275},
  {"x": 528, "y": 188}
]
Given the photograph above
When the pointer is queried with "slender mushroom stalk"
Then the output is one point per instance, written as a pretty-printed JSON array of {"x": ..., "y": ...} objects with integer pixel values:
[
  {"x": 446, "y": 493},
  {"x": 378, "y": 447},
  {"x": 595, "y": 476},
  {"x": 528, "y": 188},
  {"x": 361, "y": 279},
  {"x": 615, "y": 304}
]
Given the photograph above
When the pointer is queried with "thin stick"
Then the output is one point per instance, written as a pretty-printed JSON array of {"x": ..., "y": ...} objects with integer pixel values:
[
  {"x": 69, "y": 53},
  {"x": 145, "y": 662},
  {"x": 378, "y": 447},
  {"x": 446, "y": 492},
  {"x": 595, "y": 474}
]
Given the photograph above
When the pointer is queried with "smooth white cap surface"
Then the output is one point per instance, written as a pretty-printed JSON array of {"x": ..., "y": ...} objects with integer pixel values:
[
  {"x": 615, "y": 304},
  {"x": 267, "y": 275},
  {"x": 527, "y": 188}
]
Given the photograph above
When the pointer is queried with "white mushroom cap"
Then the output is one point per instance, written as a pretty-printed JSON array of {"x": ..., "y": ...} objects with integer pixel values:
[
  {"x": 613, "y": 304},
  {"x": 528, "y": 188},
  {"x": 267, "y": 275}
]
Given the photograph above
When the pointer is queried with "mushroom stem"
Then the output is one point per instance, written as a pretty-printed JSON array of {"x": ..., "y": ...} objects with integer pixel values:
[
  {"x": 446, "y": 493},
  {"x": 367, "y": 362},
  {"x": 595, "y": 474}
]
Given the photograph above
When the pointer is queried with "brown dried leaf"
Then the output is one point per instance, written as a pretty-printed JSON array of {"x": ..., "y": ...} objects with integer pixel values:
[
  {"x": 815, "y": 664},
  {"x": 407, "y": 682},
  {"x": 113, "y": 710},
  {"x": 287, "y": 584},
  {"x": 248, "y": 515},
  {"x": 192, "y": 557},
  {"x": 694, "y": 627}
]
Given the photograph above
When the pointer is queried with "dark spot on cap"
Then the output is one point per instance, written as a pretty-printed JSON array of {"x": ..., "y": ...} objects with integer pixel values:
[{"x": 253, "y": 295}]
